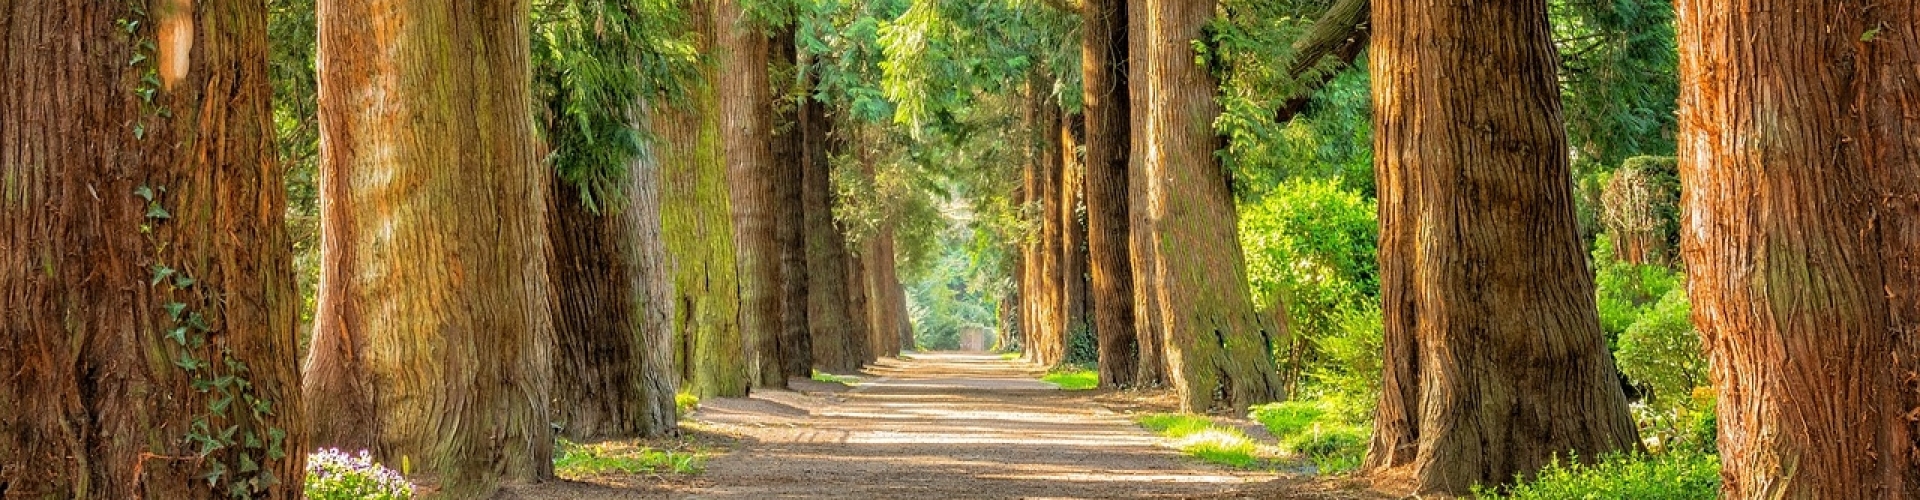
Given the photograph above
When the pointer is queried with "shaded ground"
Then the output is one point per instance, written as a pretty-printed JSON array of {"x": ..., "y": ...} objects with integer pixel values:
[{"x": 940, "y": 426}]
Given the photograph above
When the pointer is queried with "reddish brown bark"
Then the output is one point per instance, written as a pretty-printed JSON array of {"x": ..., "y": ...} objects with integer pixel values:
[
  {"x": 433, "y": 242},
  {"x": 1216, "y": 347},
  {"x": 143, "y": 256},
  {"x": 746, "y": 109},
  {"x": 796, "y": 347},
  {"x": 834, "y": 323},
  {"x": 1799, "y": 147},
  {"x": 1494, "y": 358},
  {"x": 1104, "y": 75},
  {"x": 1153, "y": 367}
]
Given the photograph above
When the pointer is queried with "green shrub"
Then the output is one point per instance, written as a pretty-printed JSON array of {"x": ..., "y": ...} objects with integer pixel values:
[
  {"x": 684, "y": 403},
  {"x": 1624, "y": 291},
  {"x": 1288, "y": 418},
  {"x": 1311, "y": 254},
  {"x": 1317, "y": 432},
  {"x": 1669, "y": 476},
  {"x": 1662, "y": 351},
  {"x": 574, "y": 460},
  {"x": 335, "y": 475}
]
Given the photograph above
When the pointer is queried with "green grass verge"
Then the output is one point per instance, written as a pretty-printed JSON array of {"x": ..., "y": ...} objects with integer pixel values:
[
  {"x": 846, "y": 380},
  {"x": 1667, "y": 476},
  {"x": 1010, "y": 356},
  {"x": 1201, "y": 438},
  {"x": 1309, "y": 429},
  {"x": 684, "y": 403},
  {"x": 1073, "y": 379},
  {"x": 573, "y": 460}
]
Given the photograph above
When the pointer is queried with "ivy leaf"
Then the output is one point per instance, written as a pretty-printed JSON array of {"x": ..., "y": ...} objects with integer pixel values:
[
  {"x": 247, "y": 464},
  {"x": 188, "y": 362},
  {"x": 178, "y": 335},
  {"x": 252, "y": 440},
  {"x": 197, "y": 322},
  {"x": 226, "y": 436},
  {"x": 216, "y": 471},
  {"x": 219, "y": 406},
  {"x": 154, "y": 211},
  {"x": 275, "y": 439},
  {"x": 160, "y": 273},
  {"x": 182, "y": 281},
  {"x": 173, "y": 310},
  {"x": 137, "y": 59},
  {"x": 144, "y": 192}
]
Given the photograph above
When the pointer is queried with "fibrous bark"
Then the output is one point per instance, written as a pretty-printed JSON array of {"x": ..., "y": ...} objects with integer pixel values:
[
  {"x": 1216, "y": 347},
  {"x": 1104, "y": 75},
  {"x": 613, "y": 362},
  {"x": 1494, "y": 360},
  {"x": 833, "y": 322},
  {"x": 796, "y": 346},
  {"x": 145, "y": 274},
  {"x": 1799, "y": 147},
  {"x": 1146, "y": 304},
  {"x": 433, "y": 334},
  {"x": 697, "y": 224},
  {"x": 746, "y": 109}
]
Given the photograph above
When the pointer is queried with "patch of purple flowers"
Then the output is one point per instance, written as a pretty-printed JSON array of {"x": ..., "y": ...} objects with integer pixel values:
[{"x": 335, "y": 475}]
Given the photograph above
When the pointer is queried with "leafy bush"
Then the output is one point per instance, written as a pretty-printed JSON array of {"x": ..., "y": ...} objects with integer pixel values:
[
  {"x": 1625, "y": 291},
  {"x": 1288, "y": 418},
  {"x": 335, "y": 475},
  {"x": 1662, "y": 351},
  {"x": 1311, "y": 252},
  {"x": 684, "y": 403},
  {"x": 1669, "y": 476},
  {"x": 1314, "y": 430}
]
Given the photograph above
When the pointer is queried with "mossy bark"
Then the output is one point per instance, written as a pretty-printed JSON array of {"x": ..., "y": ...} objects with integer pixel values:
[
  {"x": 746, "y": 114},
  {"x": 433, "y": 335},
  {"x": 92, "y": 402}
]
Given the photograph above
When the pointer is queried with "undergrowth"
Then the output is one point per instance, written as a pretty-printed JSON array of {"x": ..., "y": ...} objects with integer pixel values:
[
  {"x": 575, "y": 460},
  {"x": 1073, "y": 378},
  {"x": 1308, "y": 428},
  {"x": 1201, "y": 438},
  {"x": 846, "y": 380},
  {"x": 1667, "y": 476}
]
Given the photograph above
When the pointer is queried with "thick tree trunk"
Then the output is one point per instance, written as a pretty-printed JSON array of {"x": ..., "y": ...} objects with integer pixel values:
[
  {"x": 796, "y": 346},
  {"x": 746, "y": 109},
  {"x": 144, "y": 258},
  {"x": 1151, "y": 336},
  {"x": 433, "y": 334},
  {"x": 1799, "y": 147},
  {"x": 1047, "y": 341},
  {"x": 1217, "y": 348},
  {"x": 1103, "y": 57},
  {"x": 832, "y": 321},
  {"x": 1073, "y": 237},
  {"x": 613, "y": 365},
  {"x": 860, "y": 305},
  {"x": 1495, "y": 361},
  {"x": 697, "y": 225}
]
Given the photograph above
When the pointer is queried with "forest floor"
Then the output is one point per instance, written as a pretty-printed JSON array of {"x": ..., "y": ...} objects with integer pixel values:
[{"x": 940, "y": 426}]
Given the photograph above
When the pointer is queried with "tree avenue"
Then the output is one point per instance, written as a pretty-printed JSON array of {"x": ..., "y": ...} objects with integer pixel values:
[{"x": 507, "y": 248}]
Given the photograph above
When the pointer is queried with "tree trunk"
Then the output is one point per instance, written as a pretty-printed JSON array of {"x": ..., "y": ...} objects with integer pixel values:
[
  {"x": 796, "y": 346},
  {"x": 433, "y": 332},
  {"x": 860, "y": 305},
  {"x": 613, "y": 367},
  {"x": 1494, "y": 359},
  {"x": 1073, "y": 237},
  {"x": 1047, "y": 341},
  {"x": 1799, "y": 144},
  {"x": 1147, "y": 328},
  {"x": 698, "y": 229},
  {"x": 1218, "y": 350},
  {"x": 1103, "y": 59},
  {"x": 145, "y": 271},
  {"x": 746, "y": 108},
  {"x": 832, "y": 322}
]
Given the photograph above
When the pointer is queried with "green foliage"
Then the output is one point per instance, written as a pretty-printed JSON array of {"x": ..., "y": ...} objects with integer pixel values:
[
  {"x": 684, "y": 403},
  {"x": 1670, "y": 476},
  {"x": 1626, "y": 292},
  {"x": 594, "y": 62},
  {"x": 333, "y": 475},
  {"x": 1311, "y": 248},
  {"x": 1251, "y": 50},
  {"x": 1073, "y": 378},
  {"x": 1618, "y": 80},
  {"x": 1201, "y": 438},
  {"x": 577, "y": 461}
]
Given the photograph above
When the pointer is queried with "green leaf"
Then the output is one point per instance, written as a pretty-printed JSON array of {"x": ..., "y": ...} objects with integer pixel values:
[
  {"x": 275, "y": 439},
  {"x": 247, "y": 464},
  {"x": 154, "y": 211},
  {"x": 219, "y": 406},
  {"x": 160, "y": 273},
  {"x": 137, "y": 59},
  {"x": 198, "y": 322},
  {"x": 178, "y": 335},
  {"x": 173, "y": 310},
  {"x": 252, "y": 440},
  {"x": 227, "y": 435},
  {"x": 188, "y": 362},
  {"x": 182, "y": 281},
  {"x": 144, "y": 192},
  {"x": 215, "y": 472}
]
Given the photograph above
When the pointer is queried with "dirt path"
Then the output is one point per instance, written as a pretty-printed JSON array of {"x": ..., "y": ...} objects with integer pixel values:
[{"x": 937, "y": 426}]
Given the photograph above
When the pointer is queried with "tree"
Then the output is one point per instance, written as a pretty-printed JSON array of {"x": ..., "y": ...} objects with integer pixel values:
[
  {"x": 144, "y": 265},
  {"x": 433, "y": 335},
  {"x": 1798, "y": 161},
  {"x": 1046, "y": 336},
  {"x": 836, "y": 326},
  {"x": 1104, "y": 75},
  {"x": 746, "y": 132},
  {"x": 1147, "y": 329},
  {"x": 1216, "y": 346},
  {"x": 614, "y": 374},
  {"x": 796, "y": 346},
  {"x": 697, "y": 223},
  {"x": 1495, "y": 363}
]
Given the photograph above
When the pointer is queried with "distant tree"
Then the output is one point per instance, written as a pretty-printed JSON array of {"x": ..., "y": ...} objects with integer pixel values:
[
  {"x": 789, "y": 173},
  {"x": 1104, "y": 74},
  {"x": 1495, "y": 362},
  {"x": 149, "y": 308},
  {"x": 433, "y": 338},
  {"x": 1798, "y": 164},
  {"x": 746, "y": 134}
]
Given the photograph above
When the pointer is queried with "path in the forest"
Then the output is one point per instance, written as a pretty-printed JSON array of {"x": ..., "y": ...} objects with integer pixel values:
[{"x": 938, "y": 426}]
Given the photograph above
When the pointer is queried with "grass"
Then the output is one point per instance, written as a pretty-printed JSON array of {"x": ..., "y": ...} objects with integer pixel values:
[
  {"x": 574, "y": 460},
  {"x": 1010, "y": 356},
  {"x": 1073, "y": 379},
  {"x": 1309, "y": 429},
  {"x": 846, "y": 380},
  {"x": 684, "y": 403},
  {"x": 1668, "y": 476},
  {"x": 1201, "y": 438}
]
